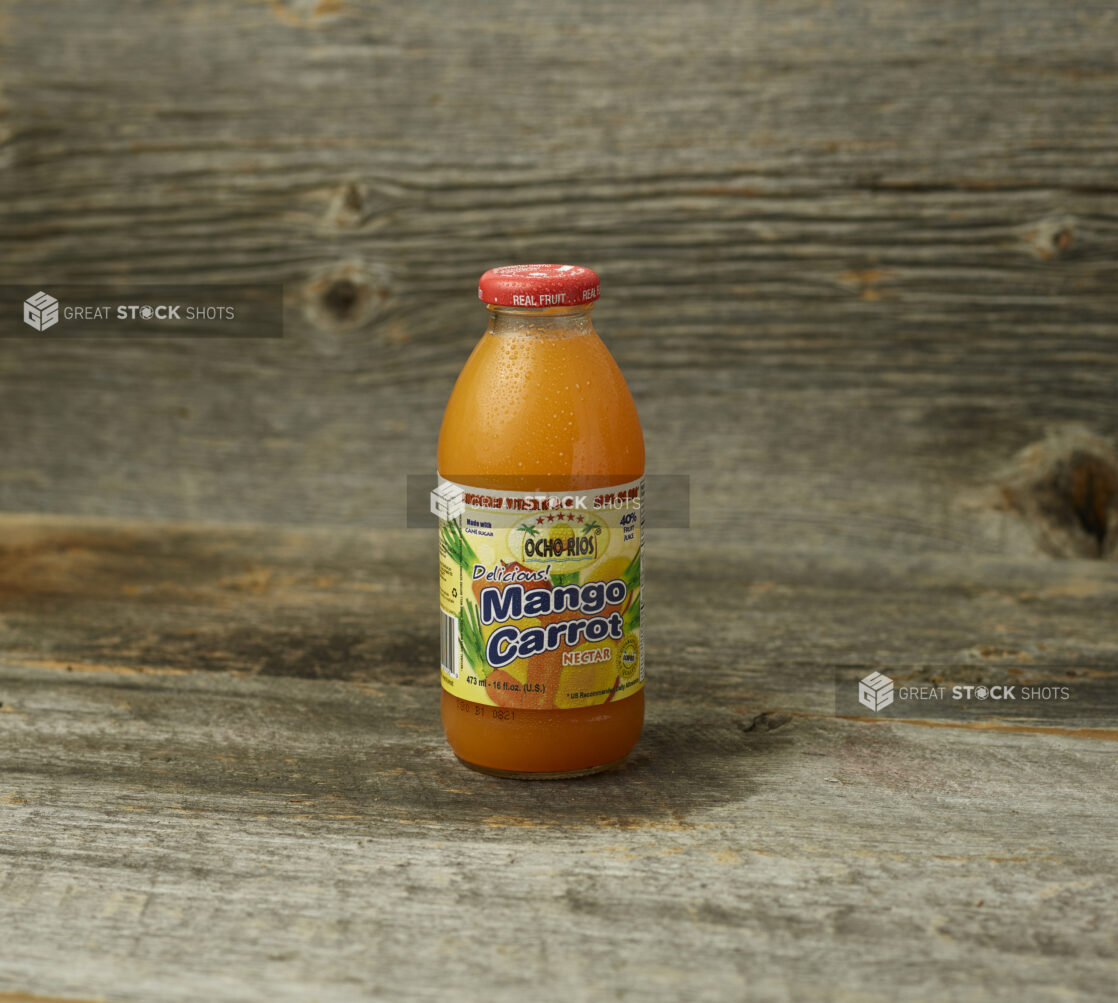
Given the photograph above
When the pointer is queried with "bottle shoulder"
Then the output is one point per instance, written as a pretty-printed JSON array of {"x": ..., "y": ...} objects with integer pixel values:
[{"x": 531, "y": 407}]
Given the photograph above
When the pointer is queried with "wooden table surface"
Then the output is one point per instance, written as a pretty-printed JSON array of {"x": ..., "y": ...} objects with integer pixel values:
[
  {"x": 859, "y": 268},
  {"x": 223, "y": 776}
]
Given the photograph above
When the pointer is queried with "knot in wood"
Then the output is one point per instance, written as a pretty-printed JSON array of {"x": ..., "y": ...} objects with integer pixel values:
[
  {"x": 346, "y": 298},
  {"x": 349, "y": 207},
  {"x": 1066, "y": 489},
  {"x": 1051, "y": 238}
]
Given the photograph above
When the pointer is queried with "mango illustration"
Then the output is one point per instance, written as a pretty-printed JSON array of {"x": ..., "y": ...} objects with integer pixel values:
[{"x": 607, "y": 570}]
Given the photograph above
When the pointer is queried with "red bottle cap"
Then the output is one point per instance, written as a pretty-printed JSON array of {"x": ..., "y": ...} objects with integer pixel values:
[{"x": 539, "y": 285}]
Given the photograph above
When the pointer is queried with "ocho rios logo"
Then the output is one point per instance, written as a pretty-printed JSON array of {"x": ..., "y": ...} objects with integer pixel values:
[{"x": 571, "y": 540}]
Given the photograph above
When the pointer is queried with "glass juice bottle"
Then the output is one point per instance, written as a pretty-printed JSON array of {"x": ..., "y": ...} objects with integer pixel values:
[{"x": 540, "y": 461}]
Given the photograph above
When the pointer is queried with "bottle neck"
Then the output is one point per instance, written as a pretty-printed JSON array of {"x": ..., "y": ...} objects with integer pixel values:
[{"x": 565, "y": 321}]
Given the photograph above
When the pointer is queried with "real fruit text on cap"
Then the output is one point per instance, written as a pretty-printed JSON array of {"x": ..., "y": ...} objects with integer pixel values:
[{"x": 539, "y": 286}]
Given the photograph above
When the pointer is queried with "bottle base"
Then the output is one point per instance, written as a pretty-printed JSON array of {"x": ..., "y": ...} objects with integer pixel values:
[
  {"x": 533, "y": 744},
  {"x": 522, "y": 775}
]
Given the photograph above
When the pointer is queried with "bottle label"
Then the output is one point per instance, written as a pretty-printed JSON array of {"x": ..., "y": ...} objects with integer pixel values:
[{"x": 541, "y": 595}]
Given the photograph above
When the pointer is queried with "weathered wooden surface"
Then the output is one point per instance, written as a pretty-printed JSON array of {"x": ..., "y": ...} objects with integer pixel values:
[
  {"x": 198, "y": 836},
  {"x": 173, "y": 833},
  {"x": 733, "y": 624},
  {"x": 860, "y": 269},
  {"x": 855, "y": 258}
]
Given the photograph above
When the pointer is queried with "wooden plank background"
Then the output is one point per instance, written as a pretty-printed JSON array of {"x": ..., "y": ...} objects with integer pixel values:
[
  {"x": 856, "y": 257},
  {"x": 860, "y": 266}
]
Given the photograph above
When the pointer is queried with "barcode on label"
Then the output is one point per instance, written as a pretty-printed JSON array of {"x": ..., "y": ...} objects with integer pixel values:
[{"x": 448, "y": 645}]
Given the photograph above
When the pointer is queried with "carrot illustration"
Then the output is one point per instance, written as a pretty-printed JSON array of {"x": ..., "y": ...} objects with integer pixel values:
[{"x": 545, "y": 669}]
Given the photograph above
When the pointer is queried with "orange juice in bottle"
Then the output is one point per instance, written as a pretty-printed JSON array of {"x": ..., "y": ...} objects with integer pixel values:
[{"x": 541, "y": 461}]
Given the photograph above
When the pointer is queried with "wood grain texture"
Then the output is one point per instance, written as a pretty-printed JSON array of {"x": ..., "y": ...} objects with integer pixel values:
[
  {"x": 860, "y": 266},
  {"x": 222, "y": 775},
  {"x": 199, "y": 835},
  {"x": 732, "y": 624},
  {"x": 856, "y": 259},
  {"x": 27, "y": 998}
]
